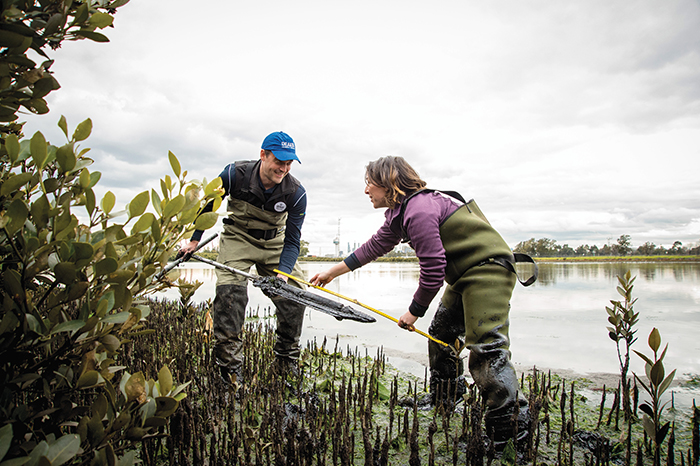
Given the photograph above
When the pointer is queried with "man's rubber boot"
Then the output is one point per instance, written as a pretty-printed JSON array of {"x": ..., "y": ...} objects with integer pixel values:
[
  {"x": 229, "y": 315},
  {"x": 290, "y": 320}
]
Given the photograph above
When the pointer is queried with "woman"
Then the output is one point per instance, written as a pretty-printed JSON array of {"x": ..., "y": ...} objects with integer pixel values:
[{"x": 453, "y": 243}]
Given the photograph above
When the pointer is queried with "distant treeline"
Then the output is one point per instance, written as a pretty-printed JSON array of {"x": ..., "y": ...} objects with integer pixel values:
[{"x": 545, "y": 247}]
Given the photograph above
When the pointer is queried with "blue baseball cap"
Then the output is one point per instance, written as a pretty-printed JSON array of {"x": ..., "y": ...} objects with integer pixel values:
[{"x": 281, "y": 145}]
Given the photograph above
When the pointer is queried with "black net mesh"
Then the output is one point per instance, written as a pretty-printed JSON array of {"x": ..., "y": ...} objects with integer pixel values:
[{"x": 272, "y": 286}]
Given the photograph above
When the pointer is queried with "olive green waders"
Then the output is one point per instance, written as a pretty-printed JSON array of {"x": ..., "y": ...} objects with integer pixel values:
[
  {"x": 474, "y": 308},
  {"x": 239, "y": 250}
]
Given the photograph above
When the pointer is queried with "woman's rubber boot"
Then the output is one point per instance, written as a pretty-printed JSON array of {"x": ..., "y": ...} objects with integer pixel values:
[
  {"x": 507, "y": 415},
  {"x": 447, "y": 383}
]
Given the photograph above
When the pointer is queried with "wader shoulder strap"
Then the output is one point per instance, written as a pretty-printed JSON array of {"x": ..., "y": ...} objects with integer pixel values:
[
  {"x": 519, "y": 257},
  {"x": 509, "y": 264},
  {"x": 404, "y": 236},
  {"x": 506, "y": 262}
]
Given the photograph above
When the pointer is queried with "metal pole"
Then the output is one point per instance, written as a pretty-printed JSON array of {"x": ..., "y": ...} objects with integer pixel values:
[{"x": 352, "y": 300}]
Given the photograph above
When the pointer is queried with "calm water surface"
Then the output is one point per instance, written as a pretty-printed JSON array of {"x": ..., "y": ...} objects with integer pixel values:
[{"x": 557, "y": 323}]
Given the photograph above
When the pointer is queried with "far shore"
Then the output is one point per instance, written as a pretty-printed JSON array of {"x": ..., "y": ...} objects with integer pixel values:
[{"x": 538, "y": 259}]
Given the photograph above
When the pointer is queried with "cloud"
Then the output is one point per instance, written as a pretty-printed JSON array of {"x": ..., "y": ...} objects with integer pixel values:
[{"x": 575, "y": 121}]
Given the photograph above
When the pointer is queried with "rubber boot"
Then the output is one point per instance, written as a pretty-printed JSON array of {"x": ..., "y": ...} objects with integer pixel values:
[
  {"x": 290, "y": 320},
  {"x": 507, "y": 415},
  {"x": 447, "y": 384},
  {"x": 229, "y": 315}
]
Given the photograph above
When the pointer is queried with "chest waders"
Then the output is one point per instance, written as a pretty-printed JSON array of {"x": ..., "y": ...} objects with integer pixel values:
[
  {"x": 474, "y": 309},
  {"x": 248, "y": 240}
]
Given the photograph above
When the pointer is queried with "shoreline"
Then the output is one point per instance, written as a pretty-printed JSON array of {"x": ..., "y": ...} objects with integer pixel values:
[{"x": 586, "y": 259}]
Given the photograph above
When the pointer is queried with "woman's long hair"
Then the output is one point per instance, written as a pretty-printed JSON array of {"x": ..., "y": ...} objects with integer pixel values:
[{"x": 396, "y": 176}]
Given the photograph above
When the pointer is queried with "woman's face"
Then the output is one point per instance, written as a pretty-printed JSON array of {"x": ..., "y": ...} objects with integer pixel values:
[{"x": 377, "y": 194}]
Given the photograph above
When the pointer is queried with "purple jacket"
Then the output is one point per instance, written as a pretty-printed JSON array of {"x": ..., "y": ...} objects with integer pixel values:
[{"x": 422, "y": 218}]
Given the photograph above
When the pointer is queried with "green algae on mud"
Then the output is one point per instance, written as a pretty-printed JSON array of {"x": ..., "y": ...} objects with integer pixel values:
[{"x": 344, "y": 408}]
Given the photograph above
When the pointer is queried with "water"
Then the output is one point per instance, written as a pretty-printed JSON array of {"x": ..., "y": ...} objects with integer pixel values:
[{"x": 558, "y": 323}]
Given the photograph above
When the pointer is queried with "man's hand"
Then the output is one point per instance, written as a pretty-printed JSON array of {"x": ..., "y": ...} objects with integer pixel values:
[
  {"x": 187, "y": 250},
  {"x": 407, "y": 320}
]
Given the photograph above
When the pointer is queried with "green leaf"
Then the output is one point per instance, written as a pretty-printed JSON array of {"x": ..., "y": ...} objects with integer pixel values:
[
  {"x": 81, "y": 14},
  {"x": 83, "y": 250},
  {"x": 213, "y": 186},
  {"x": 92, "y": 35},
  {"x": 12, "y": 283},
  {"x": 657, "y": 373},
  {"x": 174, "y": 164},
  {"x": 649, "y": 426},
  {"x": 667, "y": 382},
  {"x": 65, "y": 272},
  {"x": 165, "y": 379},
  {"x": 64, "y": 449},
  {"x": 37, "y": 454},
  {"x": 10, "y": 39},
  {"x": 180, "y": 388},
  {"x": 165, "y": 406},
  {"x": 38, "y": 106},
  {"x": 14, "y": 182},
  {"x": 88, "y": 379},
  {"x": 138, "y": 205},
  {"x": 144, "y": 223},
  {"x": 12, "y": 147},
  {"x": 654, "y": 340},
  {"x": 38, "y": 148},
  {"x": 90, "y": 201},
  {"x": 5, "y": 439},
  {"x": 174, "y": 206},
  {"x": 42, "y": 87},
  {"x": 65, "y": 155},
  {"x": 63, "y": 124},
  {"x": 206, "y": 221},
  {"x": 646, "y": 359},
  {"x": 84, "y": 178},
  {"x": 101, "y": 20},
  {"x": 155, "y": 202},
  {"x": 105, "y": 266},
  {"x": 135, "y": 388},
  {"x": 83, "y": 131},
  {"x": 110, "y": 342},
  {"x": 118, "y": 318},
  {"x": 107, "y": 203},
  {"x": 69, "y": 326},
  {"x": 117, "y": 3},
  {"x": 17, "y": 213},
  {"x": 382, "y": 391},
  {"x": 94, "y": 179}
]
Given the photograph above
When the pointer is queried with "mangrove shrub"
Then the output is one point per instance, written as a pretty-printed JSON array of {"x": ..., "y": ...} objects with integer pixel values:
[{"x": 72, "y": 287}]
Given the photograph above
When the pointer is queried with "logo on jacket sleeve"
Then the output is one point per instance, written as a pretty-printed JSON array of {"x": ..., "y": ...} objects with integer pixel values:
[{"x": 280, "y": 207}]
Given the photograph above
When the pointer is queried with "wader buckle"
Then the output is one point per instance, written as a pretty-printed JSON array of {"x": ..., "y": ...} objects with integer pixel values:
[
  {"x": 263, "y": 234},
  {"x": 254, "y": 232}
]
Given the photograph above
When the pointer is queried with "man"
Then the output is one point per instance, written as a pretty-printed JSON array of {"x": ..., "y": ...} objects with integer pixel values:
[{"x": 266, "y": 209}]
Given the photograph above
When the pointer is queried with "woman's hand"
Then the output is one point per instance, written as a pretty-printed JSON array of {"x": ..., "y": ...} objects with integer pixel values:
[
  {"x": 321, "y": 279},
  {"x": 407, "y": 320}
]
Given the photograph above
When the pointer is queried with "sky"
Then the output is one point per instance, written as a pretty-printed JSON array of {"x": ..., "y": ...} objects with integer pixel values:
[{"x": 576, "y": 121}]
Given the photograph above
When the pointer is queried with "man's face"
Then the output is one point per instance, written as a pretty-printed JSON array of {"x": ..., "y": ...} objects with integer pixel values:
[{"x": 273, "y": 171}]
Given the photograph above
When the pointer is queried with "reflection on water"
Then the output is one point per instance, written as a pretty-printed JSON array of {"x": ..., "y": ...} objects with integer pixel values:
[
  {"x": 559, "y": 322},
  {"x": 549, "y": 273}
]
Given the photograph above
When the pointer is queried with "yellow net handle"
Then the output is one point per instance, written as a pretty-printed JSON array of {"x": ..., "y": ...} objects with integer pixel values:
[{"x": 412, "y": 329}]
